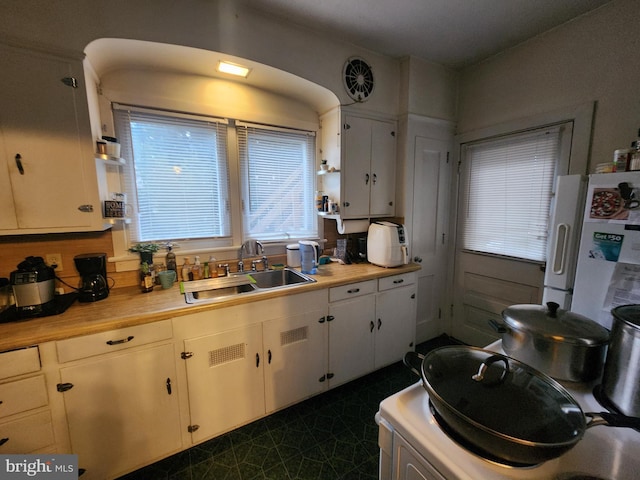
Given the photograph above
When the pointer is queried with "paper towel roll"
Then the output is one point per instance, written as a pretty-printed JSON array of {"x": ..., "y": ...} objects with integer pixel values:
[{"x": 352, "y": 226}]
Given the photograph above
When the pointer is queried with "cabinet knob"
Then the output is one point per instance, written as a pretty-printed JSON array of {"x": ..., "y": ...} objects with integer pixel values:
[
  {"x": 417, "y": 259},
  {"x": 86, "y": 208},
  {"x": 64, "y": 387},
  {"x": 70, "y": 82},
  {"x": 4, "y": 440},
  {"x": 19, "y": 163}
]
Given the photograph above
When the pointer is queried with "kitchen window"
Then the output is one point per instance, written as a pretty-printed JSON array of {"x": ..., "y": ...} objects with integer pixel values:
[
  {"x": 183, "y": 171},
  {"x": 509, "y": 187}
]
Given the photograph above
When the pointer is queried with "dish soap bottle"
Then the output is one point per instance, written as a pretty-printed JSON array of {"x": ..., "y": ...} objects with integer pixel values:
[
  {"x": 186, "y": 270},
  {"x": 196, "y": 270},
  {"x": 213, "y": 269}
]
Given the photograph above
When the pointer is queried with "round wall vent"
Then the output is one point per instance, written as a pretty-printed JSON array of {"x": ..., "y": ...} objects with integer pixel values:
[{"x": 358, "y": 79}]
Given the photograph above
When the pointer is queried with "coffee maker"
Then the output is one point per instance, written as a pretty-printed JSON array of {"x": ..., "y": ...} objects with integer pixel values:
[{"x": 93, "y": 276}]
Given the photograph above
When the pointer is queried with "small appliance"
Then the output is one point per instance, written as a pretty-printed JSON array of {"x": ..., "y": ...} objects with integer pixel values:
[
  {"x": 387, "y": 245},
  {"x": 33, "y": 286},
  {"x": 93, "y": 276},
  {"x": 309, "y": 255}
]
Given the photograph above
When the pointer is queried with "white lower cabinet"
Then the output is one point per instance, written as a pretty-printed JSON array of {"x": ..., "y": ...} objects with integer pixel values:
[
  {"x": 257, "y": 358},
  {"x": 225, "y": 378},
  {"x": 372, "y": 324},
  {"x": 25, "y": 415},
  {"x": 122, "y": 408},
  {"x": 296, "y": 358}
]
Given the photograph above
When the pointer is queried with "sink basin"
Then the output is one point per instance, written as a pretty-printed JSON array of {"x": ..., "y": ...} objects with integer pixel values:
[
  {"x": 218, "y": 293},
  {"x": 279, "y": 278},
  {"x": 238, "y": 284}
]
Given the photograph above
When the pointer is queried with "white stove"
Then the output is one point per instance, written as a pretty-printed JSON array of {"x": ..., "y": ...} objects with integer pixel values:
[{"x": 414, "y": 447}]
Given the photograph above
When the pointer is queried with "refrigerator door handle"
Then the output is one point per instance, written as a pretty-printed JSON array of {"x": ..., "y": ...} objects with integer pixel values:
[{"x": 560, "y": 248}]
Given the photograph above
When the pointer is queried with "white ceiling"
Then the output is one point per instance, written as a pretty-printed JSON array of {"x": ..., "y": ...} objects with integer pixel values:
[{"x": 455, "y": 33}]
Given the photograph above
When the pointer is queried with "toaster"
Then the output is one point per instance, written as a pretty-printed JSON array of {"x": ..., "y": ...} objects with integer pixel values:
[{"x": 387, "y": 244}]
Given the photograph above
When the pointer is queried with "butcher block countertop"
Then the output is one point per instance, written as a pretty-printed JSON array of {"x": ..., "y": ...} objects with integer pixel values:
[{"x": 126, "y": 307}]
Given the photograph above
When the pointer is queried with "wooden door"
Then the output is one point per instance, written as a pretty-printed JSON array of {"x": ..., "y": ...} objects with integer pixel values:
[{"x": 429, "y": 232}]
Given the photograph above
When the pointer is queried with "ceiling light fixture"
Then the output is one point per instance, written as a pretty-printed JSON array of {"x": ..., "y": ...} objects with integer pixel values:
[{"x": 233, "y": 69}]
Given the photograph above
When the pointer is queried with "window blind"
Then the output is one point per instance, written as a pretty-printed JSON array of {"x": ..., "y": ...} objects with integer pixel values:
[
  {"x": 177, "y": 175},
  {"x": 509, "y": 191},
  {"x": 278, "y": 177}
]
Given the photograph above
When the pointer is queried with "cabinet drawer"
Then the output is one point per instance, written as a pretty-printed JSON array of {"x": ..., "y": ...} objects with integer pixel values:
[
  {"x": 396, "y": 281},
  {"x": 112, "y": 341},
  {"x": 22, "y": 395},
  {"x": 19, "y": 362},
  {"x": 27, "y": 434},
  {"x": 352, "y": 290}
]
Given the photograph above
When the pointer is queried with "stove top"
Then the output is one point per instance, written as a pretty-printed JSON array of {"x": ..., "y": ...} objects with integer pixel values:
[{"x": 604, "y": 453}]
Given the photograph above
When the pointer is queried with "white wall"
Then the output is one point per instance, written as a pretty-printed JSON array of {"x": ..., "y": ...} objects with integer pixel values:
[{"x": 593, "y": 58}]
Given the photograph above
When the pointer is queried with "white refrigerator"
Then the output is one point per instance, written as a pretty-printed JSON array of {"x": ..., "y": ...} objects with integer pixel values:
[{"x": 607, "y": 263}]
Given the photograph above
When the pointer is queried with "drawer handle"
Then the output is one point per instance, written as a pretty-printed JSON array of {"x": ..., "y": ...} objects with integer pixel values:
[
  {"x": 121, "y": 341},
  {"x": 353, "y": 290},
  {"x": 19, "y": 163},
  {"x": 3, "y": 441},
  {"x": 399, "y": 281}
]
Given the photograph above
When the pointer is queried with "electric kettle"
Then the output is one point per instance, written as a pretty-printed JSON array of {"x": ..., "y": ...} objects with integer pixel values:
[{"x": 309, "y": 254}]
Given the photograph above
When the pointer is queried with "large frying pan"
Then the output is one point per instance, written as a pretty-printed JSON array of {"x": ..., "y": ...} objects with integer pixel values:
[{"x": 503, "y": 407}]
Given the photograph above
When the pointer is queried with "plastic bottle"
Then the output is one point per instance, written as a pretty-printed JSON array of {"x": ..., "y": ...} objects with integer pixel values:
[
  {"x": 196, "y": 270},
  {"x": 186, "y": 270},
  {"x": 634, "y": 156},
  {"x": 171, "y": 260},
  {"x": 213, "y": 269}
]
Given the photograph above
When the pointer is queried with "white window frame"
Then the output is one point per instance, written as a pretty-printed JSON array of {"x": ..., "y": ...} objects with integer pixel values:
[
  {"x": 576, "y": 162},
  {"x": 225, "y": 247}
]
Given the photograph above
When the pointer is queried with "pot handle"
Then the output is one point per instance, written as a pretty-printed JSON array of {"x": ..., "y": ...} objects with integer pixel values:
[
  {"x": 498, "y": 327},
  {"x": 479, "y": 377},
  {"x": 413, "y": 360},
  {"x": 613, "y": 420}
]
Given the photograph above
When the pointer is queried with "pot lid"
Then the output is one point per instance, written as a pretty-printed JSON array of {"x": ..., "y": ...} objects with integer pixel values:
[
  {"x": 629, "y": 314},
  {"x": 555, "y": 324},
  {"x": 502, "y": 395}
]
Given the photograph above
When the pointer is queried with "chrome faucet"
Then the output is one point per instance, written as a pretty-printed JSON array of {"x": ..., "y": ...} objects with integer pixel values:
[{"x": 252, "y": 248}]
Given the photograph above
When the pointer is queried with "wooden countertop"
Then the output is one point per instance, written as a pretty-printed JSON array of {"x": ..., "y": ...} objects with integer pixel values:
[{"x": 128, "y": 306}]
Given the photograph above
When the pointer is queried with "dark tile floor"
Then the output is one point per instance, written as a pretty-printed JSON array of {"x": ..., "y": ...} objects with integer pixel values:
[{"x": 328, "y": 437}]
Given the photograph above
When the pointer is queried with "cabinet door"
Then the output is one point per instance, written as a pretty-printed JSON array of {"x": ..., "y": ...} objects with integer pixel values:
[
  {"x": 226, "y": 381},
  {"x": 8, "y": 218},
  {"x": 39, "y": 120},
  {"x": 295, "y": 348},
  {"x": 395, "y": 324},
  {"x": 356, "y": 167},
  {"x": 383, "y": 168},
  {"x": 351, "y": 338},
  {"x": 122, "y": 410}
]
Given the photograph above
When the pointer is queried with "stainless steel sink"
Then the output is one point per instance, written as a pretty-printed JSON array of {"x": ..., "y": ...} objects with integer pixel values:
[
  {"x": 217, "y": 288},
  {"x": 240, "y": 284},
  {"x": 279, "y": 278}
]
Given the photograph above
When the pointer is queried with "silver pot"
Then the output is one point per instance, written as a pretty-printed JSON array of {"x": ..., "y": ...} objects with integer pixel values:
[
  {"x": 621, "y": 379},
  {"x": 562, "y": 344}
]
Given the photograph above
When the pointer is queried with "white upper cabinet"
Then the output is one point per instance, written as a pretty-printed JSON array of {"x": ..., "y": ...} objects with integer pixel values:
[
  {"x": 48, "y": 179},
  {"x": 366, "y": 161}
]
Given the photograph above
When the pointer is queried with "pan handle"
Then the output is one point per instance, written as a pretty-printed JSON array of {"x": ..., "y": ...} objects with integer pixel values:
[
  {"x": 413, "y": 360},
  {"x": 498, "y": 327},
  {"x": 613, "y": 420}
]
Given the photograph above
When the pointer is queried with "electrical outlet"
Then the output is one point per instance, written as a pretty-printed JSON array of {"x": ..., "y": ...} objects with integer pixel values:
[{"x": 54, "y": 260}]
